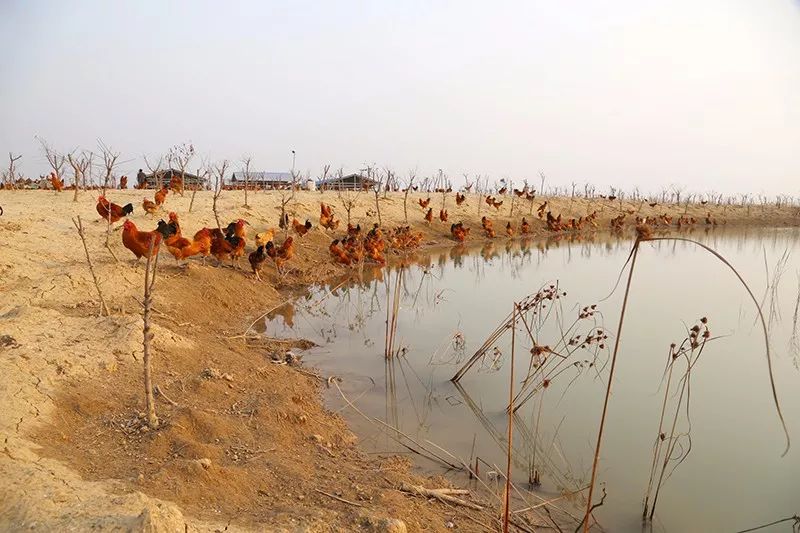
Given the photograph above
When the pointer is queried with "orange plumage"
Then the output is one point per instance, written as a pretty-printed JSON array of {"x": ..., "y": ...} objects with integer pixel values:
[
  {"x": 138, "y": 242},
  {"x": 110, "y": 211}
]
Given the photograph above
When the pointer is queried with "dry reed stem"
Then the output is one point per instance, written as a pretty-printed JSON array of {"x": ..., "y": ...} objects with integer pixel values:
[
  {"x": 147, "y": 336},
  {"x": 509, "y": 445},
  {"x": 79, "y": 226}
]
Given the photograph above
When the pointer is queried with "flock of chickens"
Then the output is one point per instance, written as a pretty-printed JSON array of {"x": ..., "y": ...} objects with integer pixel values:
[{"x": 355, "y": 247}]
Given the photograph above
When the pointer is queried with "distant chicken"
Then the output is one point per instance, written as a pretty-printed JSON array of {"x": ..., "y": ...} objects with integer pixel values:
[
  {"x": 374, "y": 245},
  {"x": 497, "y": 204},
  {"x": 58, "y": 185},
  {"x": 176, "y": 184},
  {"x": 139, "y": 242},
  {"x": 280, "y": 254},
  {"x": 424, "y": 203},
  {"x": 429, "y": 215},
  {"x": 353, "y": 231},
  {"x": 110, "y": 211},
  {"x": 443, "y": 215},
  {"x": 524, "y": 227},
  {"x": 459, "y": 232},
  {"x": 460, "y": 198},
  {"x": 509, "y": 229},
  {"x": 541, "y": 210},
  {"x": 123, "y": 182},
  {"x": 161, "y": 195},
  {"x": 519, "y": 193},
  {"x": 301, "y": 229},
  {"x": 149, "y": 206}
]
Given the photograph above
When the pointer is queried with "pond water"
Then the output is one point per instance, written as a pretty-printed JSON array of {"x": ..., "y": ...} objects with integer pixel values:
[{"x": 732, "y": 476}]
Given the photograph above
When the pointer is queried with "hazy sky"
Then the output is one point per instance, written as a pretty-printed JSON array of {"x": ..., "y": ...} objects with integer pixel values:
[{"x": 703, "y": 93}]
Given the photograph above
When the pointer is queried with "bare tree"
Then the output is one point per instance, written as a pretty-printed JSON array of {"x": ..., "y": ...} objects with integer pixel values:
[
  {"x": 180, "y": 156},
  {"x": 54, "y": 159},
  {"x": 377, "y": 184},
  {"x": 348, "y": 197},
  {"x": 79, "y": 165},
  {"x": 110, "y": 158},
  {"x": 202, "y": 172},
  {"x": 287, "y": 196},
  {"x": 409, "y": 186},
  {"x": 324, "y": 176},
  {"x": 246, "y": 160},
  {"x": 218, "y": 172},
  {"x": 10, "y": 176}
]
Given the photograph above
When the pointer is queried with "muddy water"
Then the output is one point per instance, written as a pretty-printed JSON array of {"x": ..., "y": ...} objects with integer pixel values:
[{"x": 733, "y": 476}]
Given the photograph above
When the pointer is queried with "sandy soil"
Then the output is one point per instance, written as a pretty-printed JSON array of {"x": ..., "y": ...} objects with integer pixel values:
[{"x": 245, "y": 444}]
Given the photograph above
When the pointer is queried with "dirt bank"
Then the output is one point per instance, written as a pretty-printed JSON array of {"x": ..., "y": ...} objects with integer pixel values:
[{"x": 245, "y": 443}]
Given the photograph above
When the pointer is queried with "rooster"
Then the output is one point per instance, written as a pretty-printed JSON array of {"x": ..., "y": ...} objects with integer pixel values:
[
  {"x": 280, "y": 254},
  {"x": 183, "y": 248},
  {"x": 460, "y": 198},
  {"x": 139, "y": 242},
  {"x": 161, "y": 195},
  {"x": 429, "y": 215},
  {"x": 424, "y": 203},
  {"x": 301, "y": 229},
  {"x": 230, "y": 244},
  {"x": 112, "y": 212},
  {"x": 443, "y": 215},
  {"x": 257, "y": 259}
]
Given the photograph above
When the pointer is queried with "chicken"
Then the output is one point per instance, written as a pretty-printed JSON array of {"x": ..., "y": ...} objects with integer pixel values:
[
  {"x": 161, "y": 195},
  {"x": 167, "y": 231},
  {"x": 326, "y": 219},
  {"x": 138, "y": 242},
  {"x": 183, "y": 248},
  {"x": 424, "y": 203},
  {"x": 486, "y": 223},
  {"x": 301, "y": 229},
  {"x": 112, "y": 212},
  {"x": 353, "y": 231},
  {"x": 502, "y": 191},
  {"x": 149, "y": 206},
  {"x": 123, "y": 182},
  {"x": 459, "y": 232},
  {"x": 525, "y": 227},
  {"x": 374, "y": 245},
  {"x": 257, "y": 259},
  {"x": 264, "y": 237},
  {"x": 429, "y": 215},
  {"x": 460, "y": 198},
  {"x": 497, "y": 204},
  {"x": 338, "y": 253},
  {"x": 443, "y": 215},
  {"x": 280, "y": 254},
  {"x": 58, "y": 185},
  {"x": 231, "y": 244},
  {"x": 540, "y": 211},
  {"x": 509, "y": 229},
  {"x": 176, "y": 184},
  {"x": 519, "y": 193}
]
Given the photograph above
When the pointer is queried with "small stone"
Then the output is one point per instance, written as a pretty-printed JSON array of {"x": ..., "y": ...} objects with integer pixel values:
[
  {"x": 227, "y": 377},
  {"x": 205, "y": 462},
  {"x": 317, "y": 438}
]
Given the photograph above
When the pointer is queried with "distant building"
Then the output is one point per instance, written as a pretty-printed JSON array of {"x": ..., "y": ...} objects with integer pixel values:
[
  {"x": 261, "y": 180},
  {"x": 190, "y": 181},
  {"x": 351, "y": 182}
]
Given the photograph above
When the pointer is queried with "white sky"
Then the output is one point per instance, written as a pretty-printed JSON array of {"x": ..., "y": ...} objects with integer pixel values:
[{"x": 702, "y": 93}]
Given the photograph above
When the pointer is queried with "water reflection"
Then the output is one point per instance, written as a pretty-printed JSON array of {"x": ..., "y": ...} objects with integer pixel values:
[{"x": 450, "y": 301}]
